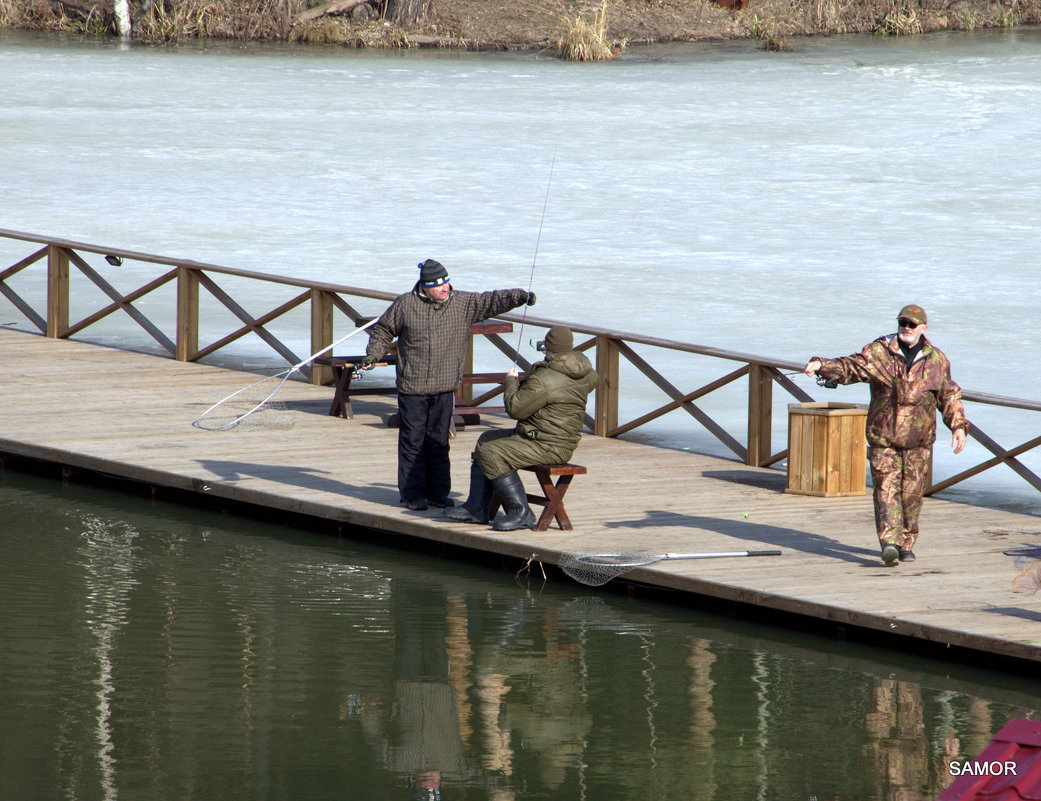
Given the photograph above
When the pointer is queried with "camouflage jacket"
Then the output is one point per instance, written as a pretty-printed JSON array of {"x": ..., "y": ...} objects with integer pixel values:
[
  {"x": 432, "y": 336},
  {"x": 902, "y": 412},
  {"x": 551, "y": 401}
]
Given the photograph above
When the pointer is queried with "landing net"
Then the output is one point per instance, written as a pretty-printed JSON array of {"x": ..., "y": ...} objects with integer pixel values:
[
  {"x": 599, "y": 568},
  {"x": 245, "y": 404},
  {"x": 252, "y": 408}
]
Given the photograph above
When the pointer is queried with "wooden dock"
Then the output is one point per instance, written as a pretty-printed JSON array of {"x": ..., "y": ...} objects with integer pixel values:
[{"x": 129, "y": 415}]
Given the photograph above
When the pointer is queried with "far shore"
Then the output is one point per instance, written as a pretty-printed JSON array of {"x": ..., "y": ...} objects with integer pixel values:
[{"x": 579, "y": 29}]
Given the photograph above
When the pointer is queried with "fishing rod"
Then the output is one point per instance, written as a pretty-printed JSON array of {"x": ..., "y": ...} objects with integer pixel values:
[
  {"x": 827, "y": 383},
  {"x": 531, "y": 276}
]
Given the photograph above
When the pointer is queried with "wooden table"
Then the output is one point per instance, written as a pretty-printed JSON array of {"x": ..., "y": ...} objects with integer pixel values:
[
  {"x": 466, "y": 412},
  {"x": 344, "y": 369}
]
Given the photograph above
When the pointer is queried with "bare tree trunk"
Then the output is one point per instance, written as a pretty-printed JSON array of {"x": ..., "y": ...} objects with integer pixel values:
[
  {"x": 408, "y": 12},
  {"x": 121, "y": 8}
]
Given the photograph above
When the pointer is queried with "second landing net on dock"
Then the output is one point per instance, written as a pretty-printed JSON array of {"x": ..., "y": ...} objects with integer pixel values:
[
  {"x": 249, "y": 411},
  {"x": 596, "y": 569},
  {"x": 244, "y": 404}
]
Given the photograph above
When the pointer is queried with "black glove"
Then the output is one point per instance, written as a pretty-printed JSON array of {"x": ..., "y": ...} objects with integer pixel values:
[
  {"x": 531, "y": 299},
  {"x": 368, "y": 362}
]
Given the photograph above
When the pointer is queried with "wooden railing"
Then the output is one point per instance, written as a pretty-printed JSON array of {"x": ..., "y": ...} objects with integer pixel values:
[{"x": 610, "y": 347}]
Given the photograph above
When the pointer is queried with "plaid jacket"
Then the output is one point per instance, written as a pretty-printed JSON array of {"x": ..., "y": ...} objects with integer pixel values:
[
  {"x": 902, "y": 412},
  {"x": 432, "y": 336}
]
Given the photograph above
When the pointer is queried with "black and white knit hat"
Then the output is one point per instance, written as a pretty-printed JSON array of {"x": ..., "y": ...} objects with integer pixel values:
[{"x": 432, "y": 273}]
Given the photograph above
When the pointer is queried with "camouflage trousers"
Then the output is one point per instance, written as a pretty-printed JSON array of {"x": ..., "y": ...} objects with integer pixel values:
[
  {"x": 899, "y": 476},
  {"x": 499, "y": 452}
]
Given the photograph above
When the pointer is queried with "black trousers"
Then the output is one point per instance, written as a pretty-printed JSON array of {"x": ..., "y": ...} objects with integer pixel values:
[{"x": 424, "y": 470}]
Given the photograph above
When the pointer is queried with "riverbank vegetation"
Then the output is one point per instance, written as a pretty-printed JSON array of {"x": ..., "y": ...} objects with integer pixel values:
[{"x": 576, "y": 29}]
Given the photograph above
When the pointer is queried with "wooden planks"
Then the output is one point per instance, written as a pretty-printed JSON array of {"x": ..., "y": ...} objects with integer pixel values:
[
  {"x": 827, "y": 449},
  {"x": 129, "y": 415}
]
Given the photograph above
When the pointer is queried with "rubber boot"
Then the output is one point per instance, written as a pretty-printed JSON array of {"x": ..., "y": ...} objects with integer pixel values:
[
  {"x": 518, "y": 515},
  {"x": 475, "y": 510}
]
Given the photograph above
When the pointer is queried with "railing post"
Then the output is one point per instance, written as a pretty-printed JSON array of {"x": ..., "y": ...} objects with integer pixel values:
[
  {"x": 760, "y": 414},
  {"x": 321, "y": 332},
  {"x": 606, "y": 412},
  {"x": 187, "y": 315},
  {"x": 57, "y": 291}
]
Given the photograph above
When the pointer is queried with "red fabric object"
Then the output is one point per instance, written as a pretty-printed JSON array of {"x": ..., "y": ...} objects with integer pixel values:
[{"x": 1009, "y": 769}]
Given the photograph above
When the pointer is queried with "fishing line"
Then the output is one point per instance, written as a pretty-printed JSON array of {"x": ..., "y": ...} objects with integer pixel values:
[
  {"x": 769, "y": 378},
  {"x": 531, "y": 277}
]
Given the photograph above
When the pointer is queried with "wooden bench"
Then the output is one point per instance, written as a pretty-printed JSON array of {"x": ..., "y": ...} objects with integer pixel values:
[
  {"x": 553, "y": 494},
  {"x": 344, "y": 368},
  {"x": 465, "y": 413}
]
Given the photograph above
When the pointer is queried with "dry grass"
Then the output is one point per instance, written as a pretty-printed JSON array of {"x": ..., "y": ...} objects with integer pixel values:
[
  {"x": 44, "y": 15},
  {"x": 589, "y": 32},
  {"x": 321, "y": 32},
  {"x": 176, "y": 23},
  {"x": 772, "y": 40},
  {"x": 788, "y": 18},
  {"x": 585, "y": 39},
  {"x": 900, "y": 20}
]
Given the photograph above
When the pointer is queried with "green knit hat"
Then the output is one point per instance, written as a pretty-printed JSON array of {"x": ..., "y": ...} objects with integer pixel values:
[{"x": 560, "y": 340}]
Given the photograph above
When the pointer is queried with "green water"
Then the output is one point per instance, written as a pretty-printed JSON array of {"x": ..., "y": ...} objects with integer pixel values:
[{"x": 149, "y": 651}]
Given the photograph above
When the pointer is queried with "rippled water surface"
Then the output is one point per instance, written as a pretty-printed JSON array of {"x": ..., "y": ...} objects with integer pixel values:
[{"x": 150, "y": 651}]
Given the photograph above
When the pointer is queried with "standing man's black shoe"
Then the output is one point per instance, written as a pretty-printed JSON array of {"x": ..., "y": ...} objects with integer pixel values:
[
  {"x": 417, "y": 505},
  {"x": 475, "y": 509}
]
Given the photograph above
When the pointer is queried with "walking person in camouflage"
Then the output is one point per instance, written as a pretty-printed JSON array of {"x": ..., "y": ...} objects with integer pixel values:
[
  {"x": 910, "y": 379},
  {"x": 432, "y": 325},
  {"x": 549, "y": 406}
]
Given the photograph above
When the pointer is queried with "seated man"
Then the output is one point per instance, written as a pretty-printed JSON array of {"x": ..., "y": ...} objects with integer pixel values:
[{"x": 549, "y": 406}]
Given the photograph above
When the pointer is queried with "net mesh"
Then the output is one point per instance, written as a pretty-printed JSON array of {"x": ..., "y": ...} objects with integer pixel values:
[
  {"x": 237, "y": 416},
  {"x": 232, "y": 412},
  {"x": 1027, "y": 580},
  {"x": 598, "y": 569},
  {"x": 249, "y": 409}
]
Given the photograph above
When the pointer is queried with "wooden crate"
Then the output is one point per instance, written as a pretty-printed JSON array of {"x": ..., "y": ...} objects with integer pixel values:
[{"x": 827, "y": 449}]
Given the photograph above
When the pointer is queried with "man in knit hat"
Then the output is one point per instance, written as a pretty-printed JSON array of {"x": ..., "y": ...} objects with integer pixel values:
[
  {"x": 910, "y": 379},
  {"x": 549, "y": 406},
  {"x": 432, "y": 325}
]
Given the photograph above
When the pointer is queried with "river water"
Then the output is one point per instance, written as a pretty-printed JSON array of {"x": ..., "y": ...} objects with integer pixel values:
[
  {"x": 152, "y": 651},
  {"x": 779, "y": 204}
]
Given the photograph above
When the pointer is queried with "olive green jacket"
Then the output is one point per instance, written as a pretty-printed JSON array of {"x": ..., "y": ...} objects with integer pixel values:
[
  {"x": 902, "y": 412},
  {"x": 550, "y": 403}
]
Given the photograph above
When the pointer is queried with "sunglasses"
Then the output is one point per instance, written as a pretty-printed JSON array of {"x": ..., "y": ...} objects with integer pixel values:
[{"x": 903, "y": 322}]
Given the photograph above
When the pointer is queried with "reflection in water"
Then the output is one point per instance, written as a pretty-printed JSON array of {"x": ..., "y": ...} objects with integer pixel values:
[
  {"x": 108, "y": 578},
  {"x": 702, "y": 723},
  {"x": 896, "y": 748},
  {"x": 147, "y": 652}
]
